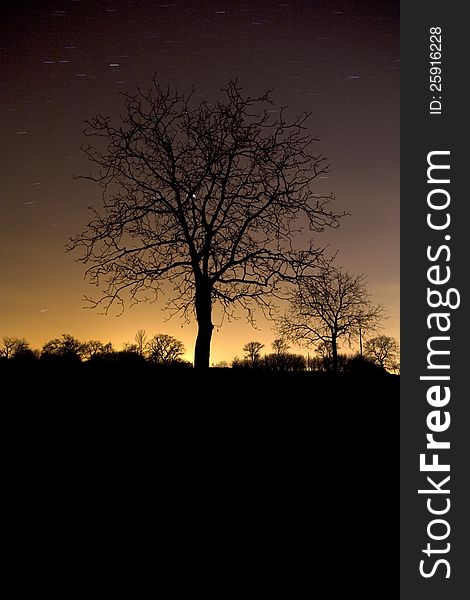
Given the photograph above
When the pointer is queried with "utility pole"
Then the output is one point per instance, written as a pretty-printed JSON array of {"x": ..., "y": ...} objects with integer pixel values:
[{"x": 360, "y": 340}]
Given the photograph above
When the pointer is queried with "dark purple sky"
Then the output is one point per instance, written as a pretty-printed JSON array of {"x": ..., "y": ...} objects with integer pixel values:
[{"x": 62, "y": 61}]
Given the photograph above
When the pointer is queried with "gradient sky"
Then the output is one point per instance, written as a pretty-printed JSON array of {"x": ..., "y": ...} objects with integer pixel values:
[{"x": 62, "y": 61}]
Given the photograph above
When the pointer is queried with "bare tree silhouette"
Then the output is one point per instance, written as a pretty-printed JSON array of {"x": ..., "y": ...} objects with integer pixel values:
[
  {"x": 280, "y": 346},
  {"x": 383, "y": 351},
  {"x": 281, "y": 359},
  {"x": 252, "y": 352},
  {"x": 95, "y": 348},
  {"x": 65, "y": 347},
  {"x": 164, "y": 349},
  {"x": 209, "y": 198},
  {"x": 13, "y": 346},
  {"x": 141, "y": 341},
  {"x": 328, "y": 306}
]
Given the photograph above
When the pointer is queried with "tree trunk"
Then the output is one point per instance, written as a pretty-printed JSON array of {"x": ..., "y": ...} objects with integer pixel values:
[
  {"x": 203, "y": 304},
  {"x": 334, "y": 353}
]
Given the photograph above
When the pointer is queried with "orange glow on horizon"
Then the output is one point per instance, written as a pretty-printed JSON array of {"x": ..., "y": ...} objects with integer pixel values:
[{"x": 342, "y": 68}]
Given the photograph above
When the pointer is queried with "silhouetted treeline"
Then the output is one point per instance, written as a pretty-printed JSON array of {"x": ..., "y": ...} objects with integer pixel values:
[
  {"x": 165, "y": 351},
  {"x": 284, "y": 363},
  {"x": 161, "y": 350}
]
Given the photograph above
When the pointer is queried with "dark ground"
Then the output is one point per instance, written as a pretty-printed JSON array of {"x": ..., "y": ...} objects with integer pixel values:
[{"x": 230, "y": 483}]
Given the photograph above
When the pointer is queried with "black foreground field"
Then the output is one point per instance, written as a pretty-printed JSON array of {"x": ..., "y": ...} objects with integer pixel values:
[{"x": 228, "y": 482}]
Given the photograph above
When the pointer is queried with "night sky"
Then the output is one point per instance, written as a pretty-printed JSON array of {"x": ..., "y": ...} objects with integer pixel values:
[{"x": 63, "y": 61}]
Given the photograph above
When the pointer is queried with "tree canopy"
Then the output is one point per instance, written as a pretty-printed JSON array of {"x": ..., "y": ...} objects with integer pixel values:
[{"x": 209, "y": 199}]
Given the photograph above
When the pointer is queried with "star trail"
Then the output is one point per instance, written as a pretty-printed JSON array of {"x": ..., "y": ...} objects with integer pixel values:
[{"x": 62, "y": 62}]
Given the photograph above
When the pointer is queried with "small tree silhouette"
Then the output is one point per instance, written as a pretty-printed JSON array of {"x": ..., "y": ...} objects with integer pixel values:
[
  {"x": 164, "y": 349},
  {"x": 327, "y": 307},
  {"x": 383, "y": 351},
  {"x": 280, "y": 346},
  {"x": 13, "y": 347},
  {"x": 141, "y": 342},
  {"x": 66, "y": 347},
  {"x": 252, "y": 352}
]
